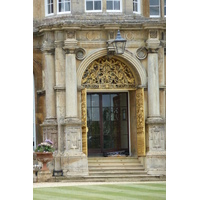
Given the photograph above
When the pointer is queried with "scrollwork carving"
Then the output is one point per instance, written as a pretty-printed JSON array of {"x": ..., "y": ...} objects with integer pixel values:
[
  {"x": 141, "y": 146},
  {"x": 108, "y": 73}
]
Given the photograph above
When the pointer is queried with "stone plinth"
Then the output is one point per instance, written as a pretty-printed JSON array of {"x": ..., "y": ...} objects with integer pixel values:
[
  {"x": 74, "y": 164},
  {"x": 156, "y": 157},
  {"x": 73, "y": 161},
  {"x": 44, "y": 176},
  {"x": 156, "y": 163}
]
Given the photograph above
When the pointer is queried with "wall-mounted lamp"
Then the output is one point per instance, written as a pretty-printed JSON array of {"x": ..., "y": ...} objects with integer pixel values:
[{"x": 116, "y": 46}]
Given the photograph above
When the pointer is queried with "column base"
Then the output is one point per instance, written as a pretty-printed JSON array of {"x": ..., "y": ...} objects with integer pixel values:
[
  {"x": 74, "y": 164},
  {"x": 156, "y": 163}
]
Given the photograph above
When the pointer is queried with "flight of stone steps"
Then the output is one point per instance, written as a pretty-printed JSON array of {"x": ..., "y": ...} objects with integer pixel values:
[
  {"x": 107, "y": 169},
  {"x": 117, "y": 169}
]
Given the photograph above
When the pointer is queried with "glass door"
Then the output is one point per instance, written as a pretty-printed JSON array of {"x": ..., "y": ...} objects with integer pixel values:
[{"x": 107, "y": 119}]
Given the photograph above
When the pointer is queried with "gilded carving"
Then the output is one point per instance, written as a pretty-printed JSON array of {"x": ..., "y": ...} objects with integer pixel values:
[
  {"x": 107, "y": 73},
  {"x": 141, "y": 146},
  {"x": 84, "y": 120}
]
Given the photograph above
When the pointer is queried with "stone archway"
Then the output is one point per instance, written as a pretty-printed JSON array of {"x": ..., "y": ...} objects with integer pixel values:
[
  {"x": 134, "y": 64},
  {"x": 118, "y": 72}
]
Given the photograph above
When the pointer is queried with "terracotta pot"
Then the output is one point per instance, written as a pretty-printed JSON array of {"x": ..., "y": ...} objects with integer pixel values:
[{"x": 44, "y": 157}]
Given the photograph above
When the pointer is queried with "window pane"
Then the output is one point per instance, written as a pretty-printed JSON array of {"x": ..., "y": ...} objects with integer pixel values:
[
  {"x": 97, "y": 5},
  {"x": 67, "y": 6},
  {"x": 109, "y": 5},
  {"x": 116, "y": 5},
  {"x": 49, "y": 9},
  {"x": 88, "y": 100},
  {"x": 135, "y": 7},
  {"x": 61, "y": 7},
  {"x": 154, "y": 2},
  {"x": 95, "y": 114},
  {"x": 106, "y": 100},
  {"x": 89, "y": 5},
  {"x": 154, "y": 11},
  {"x": 95, "y": 100}
]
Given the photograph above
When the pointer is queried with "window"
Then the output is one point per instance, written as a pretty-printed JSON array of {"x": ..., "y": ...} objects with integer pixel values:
[
  {"x": 164, "y": 7},
  {"x": 64, "y": 6},
  {"x": 93, "y": 5},
  {"x": 154, "y": 6},
  {"x": 136, "y": 6},
  {"x": 114, "y": 5},
  {"x": 49, "y": 7}
]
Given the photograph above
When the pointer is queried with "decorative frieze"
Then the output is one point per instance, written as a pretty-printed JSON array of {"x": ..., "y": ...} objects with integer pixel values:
[{"x": 93, "y": 35}]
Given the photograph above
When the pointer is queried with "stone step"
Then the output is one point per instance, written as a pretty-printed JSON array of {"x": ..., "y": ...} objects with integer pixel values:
[
  {"x": 113, "y": 160},
  {"x": 128, "y": 178},
  {"x": 114, "y": 164},
  {"x": 116, "y": 172},
  {"x": 116, "y": 169}
]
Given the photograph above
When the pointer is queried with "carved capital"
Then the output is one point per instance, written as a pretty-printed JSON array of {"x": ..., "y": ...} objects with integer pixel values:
[
  {"x": 70, "y": 46},
  {"x": 153, "y": 42},
  {"x": 59, "y": 44},
  {"x": 47, "y": 47}
]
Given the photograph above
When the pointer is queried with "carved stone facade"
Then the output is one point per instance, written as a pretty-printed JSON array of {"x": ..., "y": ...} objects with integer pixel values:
[{"x": 71, "y": 59}]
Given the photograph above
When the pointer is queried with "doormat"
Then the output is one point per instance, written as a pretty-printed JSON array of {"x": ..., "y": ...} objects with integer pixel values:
[{"x": 116, "y": 153}]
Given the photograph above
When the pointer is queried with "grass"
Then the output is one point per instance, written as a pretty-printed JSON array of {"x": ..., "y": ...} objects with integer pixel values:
[{"x": 131, "y": 191}]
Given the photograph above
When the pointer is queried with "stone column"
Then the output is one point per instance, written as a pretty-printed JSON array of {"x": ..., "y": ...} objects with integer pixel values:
[
  {"x": 60, "y": 93},
  {"x": 74, "y": 162},
  {"x": 156, "y": 157},
  {"x": 49, "y": 125}
]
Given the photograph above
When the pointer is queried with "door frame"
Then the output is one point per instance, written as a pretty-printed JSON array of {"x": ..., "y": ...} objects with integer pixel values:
[{"x": 128, "y": 102}]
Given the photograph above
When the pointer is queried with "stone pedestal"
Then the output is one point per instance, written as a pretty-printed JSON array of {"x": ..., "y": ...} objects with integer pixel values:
[
  {"x": 44, "y": 176},
  {"x": 73, "y": 161},
  {"x": 156, "y": 156}
]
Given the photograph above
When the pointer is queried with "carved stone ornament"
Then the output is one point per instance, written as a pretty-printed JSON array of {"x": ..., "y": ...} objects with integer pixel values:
[
  {"x": 80, "y": 53},
  {"x": 70, "y": 34},
  {"x": 141, "y": 146},
  {"x": 105, "y": 73},
  {"x": 153, "y": 34},
  {"x": 93, "y": 35},
  {"x": 141, "y": 53}
]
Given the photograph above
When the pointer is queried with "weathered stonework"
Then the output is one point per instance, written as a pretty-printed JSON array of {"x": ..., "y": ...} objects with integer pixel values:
[{"x": 70, "y": 44}]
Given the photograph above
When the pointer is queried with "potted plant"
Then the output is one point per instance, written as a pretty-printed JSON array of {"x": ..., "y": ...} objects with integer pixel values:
[{"x": 44, "y": 152}]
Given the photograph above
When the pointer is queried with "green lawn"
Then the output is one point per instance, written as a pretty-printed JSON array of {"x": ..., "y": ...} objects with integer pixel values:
[{"x": 131, "y": 191}]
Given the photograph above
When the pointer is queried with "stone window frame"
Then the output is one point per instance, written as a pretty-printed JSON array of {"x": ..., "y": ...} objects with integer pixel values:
[
  {"x": 114, "y": 10},
  {"x": 68, "y": 1},
  {"x": 47, "y": 3},
  {"x": 138, "y": 2},
  {"x": 165, "y": 8},
  {"x": 159, "y": 15},
  {"x": 93, "y": 4}
]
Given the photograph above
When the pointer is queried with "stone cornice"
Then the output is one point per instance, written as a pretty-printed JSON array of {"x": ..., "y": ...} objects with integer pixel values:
[{"x": 82, "y": 22}]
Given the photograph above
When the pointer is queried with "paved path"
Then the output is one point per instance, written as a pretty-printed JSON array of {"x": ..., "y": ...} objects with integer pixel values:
[{"x": 60, "y": 184}]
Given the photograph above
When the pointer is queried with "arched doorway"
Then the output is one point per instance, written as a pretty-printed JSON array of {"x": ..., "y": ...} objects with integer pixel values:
[{"x": 109, "y": 108}]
